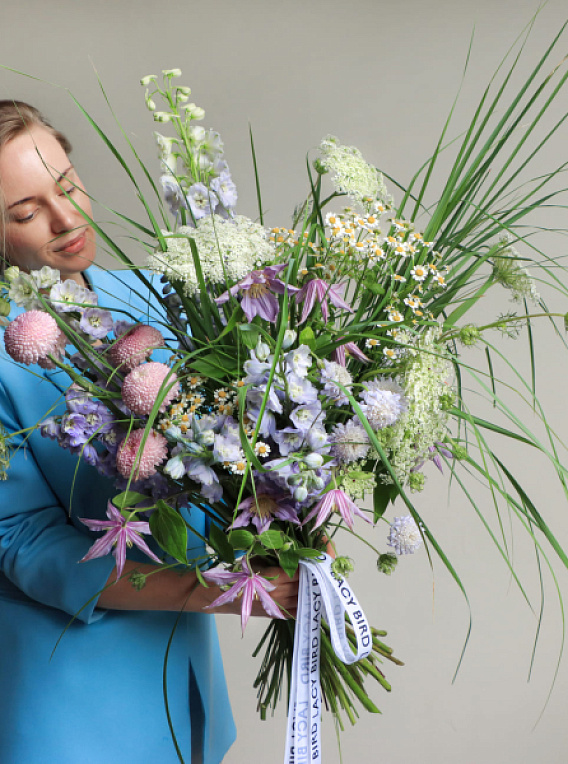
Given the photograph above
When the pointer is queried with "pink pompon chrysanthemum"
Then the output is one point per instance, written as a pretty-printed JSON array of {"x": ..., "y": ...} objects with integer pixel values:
[
  {"x": 153, "y": 454},
  {"x": 145, "y": 383},
  {"x": 120, "y": 533},
  {"x": 31, "y": 337},
  {"x": 135, "y": 346}
]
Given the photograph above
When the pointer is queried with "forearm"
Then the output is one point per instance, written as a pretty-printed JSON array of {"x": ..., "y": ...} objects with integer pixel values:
[
  {"x": 175, "y": 591},
  {"x": 163, "y": 590}
]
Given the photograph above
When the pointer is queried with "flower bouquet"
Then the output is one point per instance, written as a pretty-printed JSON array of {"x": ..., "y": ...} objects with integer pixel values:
[{"x": 289, "y": 374}]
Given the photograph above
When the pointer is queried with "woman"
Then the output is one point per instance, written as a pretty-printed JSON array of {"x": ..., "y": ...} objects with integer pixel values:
[{"x": 98, "y": 699}]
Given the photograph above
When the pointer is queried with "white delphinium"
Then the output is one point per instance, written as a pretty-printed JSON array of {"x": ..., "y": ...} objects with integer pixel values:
[
  {"x": 228, "y": 250},
  {"x": 350, "y": 442},
  {"x": 404, "y": 536},
  {"x": 46, "y": 277},
  {"x": 333, "y": 375},
  {"x": 352, "y": 174},
  {"x": 23, "y": 290}
]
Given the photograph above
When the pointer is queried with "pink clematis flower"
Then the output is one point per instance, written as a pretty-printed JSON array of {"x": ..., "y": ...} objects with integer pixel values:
[
  {"x": 348, "y": 348},
  {"x": 321, "y": 290},
  {"x": 335, "y": 501},
  {"x": 251, "y": 585},
  {"x": 120, "y": 533},
  {"x": 258, "y": 290}
]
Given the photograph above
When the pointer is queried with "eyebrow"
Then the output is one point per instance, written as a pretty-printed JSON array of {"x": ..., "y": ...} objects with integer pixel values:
[{"x": 31, "y": 198}]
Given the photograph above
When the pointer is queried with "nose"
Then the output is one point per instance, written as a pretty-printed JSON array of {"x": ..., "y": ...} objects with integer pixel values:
[{"x": 63, "y": 215}]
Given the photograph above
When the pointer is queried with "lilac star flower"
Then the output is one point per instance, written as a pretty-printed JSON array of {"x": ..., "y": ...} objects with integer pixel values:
[
  {"x": 335, "y": 501},
  {"x": 251, "y": 585},
  {"x": 258, "y": 290},
  {"x": 120, "y": 533},
  {"x": 321, "y": 290}
]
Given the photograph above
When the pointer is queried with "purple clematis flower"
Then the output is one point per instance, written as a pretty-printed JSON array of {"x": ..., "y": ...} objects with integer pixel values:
[
  {"x": 348, "y": 348},
  {"x": 260, "y": 510},
  {"x": 251, "y": 585},
  {"x": 321, "y": 290},
  {"x": 258, "y": 290},
  {"x": 335, "y": 501},
  {"x": 120, "y": 533}
]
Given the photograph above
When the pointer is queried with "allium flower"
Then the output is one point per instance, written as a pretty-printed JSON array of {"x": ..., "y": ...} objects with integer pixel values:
[
  {"x": 251, "y": 585},
  {"x": 31, "y": 337},
  {"x": 258, "y": 289},
  {"x": 335, "y": 501},
  {"x": 404, "y": 536},
  {"x": 135, "y": 346},
  {"x": 350, "y": 442},
  {"x": 320, "y": 290},
  {"x": 120, "y": 533},
  {"x": 144, "y": 384},
  {"x": 260, "y": 510},
  {"x": 129, "y": 454},
  {"x": 384, "y": 402}
]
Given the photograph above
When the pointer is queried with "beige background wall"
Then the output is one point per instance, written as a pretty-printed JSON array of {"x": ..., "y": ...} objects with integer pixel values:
[{"x": 381, "y": 76}]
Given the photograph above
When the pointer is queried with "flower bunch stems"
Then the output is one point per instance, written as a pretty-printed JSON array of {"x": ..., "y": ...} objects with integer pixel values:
[{"x": 341, "y": 684}]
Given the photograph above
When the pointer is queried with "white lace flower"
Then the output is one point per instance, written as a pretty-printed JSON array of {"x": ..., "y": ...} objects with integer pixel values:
[
  {"x": 228, "y": 250},
  {"x": 352, "y": 174}
]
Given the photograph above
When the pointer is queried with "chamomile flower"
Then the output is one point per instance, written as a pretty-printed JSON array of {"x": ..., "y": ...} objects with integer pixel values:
[
  {"x": 419, "y": 272},
  {"x": 262, "y": 449},
  {"x": 395, "y": 316}
]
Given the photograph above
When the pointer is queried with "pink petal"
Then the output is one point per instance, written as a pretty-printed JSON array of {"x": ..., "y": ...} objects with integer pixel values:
[
  {"x": 268, "y": 604},
  {"x": 102, "y": 546}
]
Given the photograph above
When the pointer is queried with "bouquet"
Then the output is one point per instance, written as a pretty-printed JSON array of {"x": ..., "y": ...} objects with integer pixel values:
[{"x": 298, "y": 381}]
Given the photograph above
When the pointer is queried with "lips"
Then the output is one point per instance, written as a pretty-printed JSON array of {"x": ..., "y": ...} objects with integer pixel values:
[{"x": 74, "y": 245}]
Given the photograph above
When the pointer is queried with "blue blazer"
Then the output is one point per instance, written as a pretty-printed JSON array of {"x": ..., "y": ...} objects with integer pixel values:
[{"x": 88, "y": 691}]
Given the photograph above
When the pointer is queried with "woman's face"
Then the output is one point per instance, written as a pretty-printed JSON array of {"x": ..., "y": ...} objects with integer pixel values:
[{"x": 42, "y": 225}]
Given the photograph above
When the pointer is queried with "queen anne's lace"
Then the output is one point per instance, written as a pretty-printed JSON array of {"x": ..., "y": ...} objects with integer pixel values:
[{"x": 228, "y": 250}]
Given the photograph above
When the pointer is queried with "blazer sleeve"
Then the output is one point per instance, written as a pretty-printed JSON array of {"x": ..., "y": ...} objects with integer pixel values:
[{"x": 40, "y": 548}]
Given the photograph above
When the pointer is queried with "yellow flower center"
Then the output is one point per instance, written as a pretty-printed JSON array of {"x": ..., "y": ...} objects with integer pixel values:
[{"x": 257, "y": 290}]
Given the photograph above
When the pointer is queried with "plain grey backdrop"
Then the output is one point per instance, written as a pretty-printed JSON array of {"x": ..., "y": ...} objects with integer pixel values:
[{"x": 381, "y": 76}]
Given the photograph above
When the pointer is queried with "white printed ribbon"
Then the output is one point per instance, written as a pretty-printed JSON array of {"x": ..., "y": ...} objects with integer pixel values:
[{"x": 321, "y": 593}]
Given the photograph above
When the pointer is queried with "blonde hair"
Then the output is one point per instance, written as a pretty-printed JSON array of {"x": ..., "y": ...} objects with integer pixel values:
[{"x": 17, "y": 117}]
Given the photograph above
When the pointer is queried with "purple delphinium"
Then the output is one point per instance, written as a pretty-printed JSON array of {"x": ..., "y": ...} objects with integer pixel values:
[
  {"x": 225, "y": 189},
  {"x": 251, "y": 585},
  {"x": 95, "y": 322},
  {"x": 201, "y": 200},
  {"x": 320, "y": 290},
  {"x": 258, "y": 290},
  {"x": 120, "y": 532}
]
